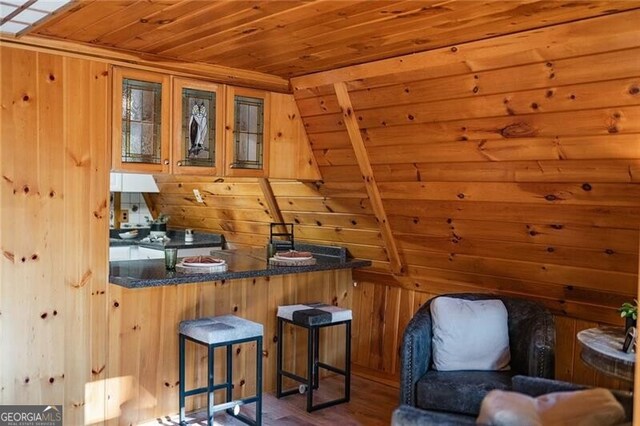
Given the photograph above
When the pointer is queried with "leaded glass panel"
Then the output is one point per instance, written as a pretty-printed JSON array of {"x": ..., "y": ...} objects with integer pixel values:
[
  {"x": 141, "y": 121},
  {"x": 248, "y": 132},
  {"x": 198, "y": 127}
]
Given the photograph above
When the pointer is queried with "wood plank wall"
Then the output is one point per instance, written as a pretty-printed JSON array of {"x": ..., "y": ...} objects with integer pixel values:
[
  {"x": 54, "y": 159},
  {"x": 515, "y": 173},
  {"x": 237, "y": 208},
  {"x": 508, "y": 165}
]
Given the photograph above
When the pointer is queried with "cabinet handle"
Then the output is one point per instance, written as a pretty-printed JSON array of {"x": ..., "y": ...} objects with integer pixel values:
[
  {"x": 166, "y": 162},
  {"x": 179, "y": 163}
]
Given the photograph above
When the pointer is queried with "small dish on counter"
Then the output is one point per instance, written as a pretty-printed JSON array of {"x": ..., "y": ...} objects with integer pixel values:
[
  {"x": 293, "y": 255},
  {"x": 292, "y": 258},
  {"x": 202, "y": 261},
  {"x": 128, "y": 235},
  {"x": 203, "y": 264}
]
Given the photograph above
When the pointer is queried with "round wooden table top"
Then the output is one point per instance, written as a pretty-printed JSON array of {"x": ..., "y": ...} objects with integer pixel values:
[{"x": 602, "y": 350}]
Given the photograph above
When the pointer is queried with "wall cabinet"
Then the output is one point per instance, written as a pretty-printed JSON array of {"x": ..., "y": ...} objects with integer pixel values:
[
  {"x": 140, "y": 122},
  {"x": 247, "y": 132},
  {"x": 164, "y": 124},
  {"x": 198, "y": 112}
]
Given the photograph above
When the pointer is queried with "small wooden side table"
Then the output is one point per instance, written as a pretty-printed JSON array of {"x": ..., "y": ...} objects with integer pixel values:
[{"x": 602, "y": 350}]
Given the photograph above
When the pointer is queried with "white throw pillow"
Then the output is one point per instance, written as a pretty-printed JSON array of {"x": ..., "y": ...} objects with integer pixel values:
[
  {"x": 469, "y": 334},
  {"x": 591, "y": 407}
]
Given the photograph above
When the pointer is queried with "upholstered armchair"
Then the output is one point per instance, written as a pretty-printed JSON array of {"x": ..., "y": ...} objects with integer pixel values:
[
  {"x": 531, "y": 386},
  {"x": 531, "y": 341}
]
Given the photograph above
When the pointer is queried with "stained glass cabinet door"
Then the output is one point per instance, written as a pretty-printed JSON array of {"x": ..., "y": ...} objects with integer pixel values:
[
  {"x": 140, "y": 122},
  {"x": 198, "y": 124},
  {"x": 247, "y": 132}
]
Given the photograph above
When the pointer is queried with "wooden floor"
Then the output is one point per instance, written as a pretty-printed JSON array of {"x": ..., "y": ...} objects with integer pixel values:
[{"x": 371, "y": 404}]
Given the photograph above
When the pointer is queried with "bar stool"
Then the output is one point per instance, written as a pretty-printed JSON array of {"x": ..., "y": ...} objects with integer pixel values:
[
  {"x": 313, "y": 317},
  {"x": 213, "y": 332}
]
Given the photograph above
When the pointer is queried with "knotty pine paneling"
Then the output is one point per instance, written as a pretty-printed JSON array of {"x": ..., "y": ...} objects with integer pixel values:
[
  {"x": 425, "y": 108},
  {"x": 54, "y": 232},
  {"x": 516, "y": 173},
  {"x": 237, "y": 208},
  {"x": 595, "y": 121},
  {"x": 297, "y": 38}
]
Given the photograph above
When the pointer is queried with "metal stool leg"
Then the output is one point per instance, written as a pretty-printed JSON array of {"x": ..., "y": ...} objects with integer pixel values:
[
  {"x": 310, "y": 366},
  {"x": 229, "y": 373},
  {"x": 210, "y": 395},
  {"x": 347, "y": 366},
  {"x": 181, "y": 377},
  {"x": 316, "y": 359},
  {"x": 279, "y": 336},
  {"x": 248, "y": 332},
  {"x": 312, "y": 381},
  {"x": 259, "y": 382}
]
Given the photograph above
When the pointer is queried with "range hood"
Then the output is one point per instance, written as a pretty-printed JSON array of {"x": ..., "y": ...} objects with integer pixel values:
[{"x": 132, "y": 182}]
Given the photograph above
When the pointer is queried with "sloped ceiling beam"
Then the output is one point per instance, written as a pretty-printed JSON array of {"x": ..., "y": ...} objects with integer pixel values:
[
  {"x": 367, "y": 175},
  {"x": 272, "y": 203}
]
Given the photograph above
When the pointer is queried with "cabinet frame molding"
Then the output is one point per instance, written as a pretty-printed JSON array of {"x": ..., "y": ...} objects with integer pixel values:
[
  {"x": 232, "y": 91},
  {"x": 119, "y": 74},
  {"x": 178, "y": 84}
]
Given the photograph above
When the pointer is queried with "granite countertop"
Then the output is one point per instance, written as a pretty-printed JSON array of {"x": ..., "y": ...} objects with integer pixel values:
[
  {"x": 242, "y": 263},
  {"x": 200, "y": 239}
]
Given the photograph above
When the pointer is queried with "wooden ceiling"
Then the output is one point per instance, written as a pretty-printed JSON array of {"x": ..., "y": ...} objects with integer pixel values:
[{"x": 292, "y": 38}]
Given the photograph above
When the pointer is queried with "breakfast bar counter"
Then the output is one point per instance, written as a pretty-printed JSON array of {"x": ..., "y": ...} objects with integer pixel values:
[
  {"x": 241, "y": 263},
  {"x": 147, "y": 304}
]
